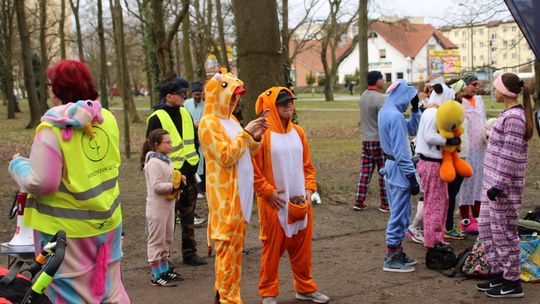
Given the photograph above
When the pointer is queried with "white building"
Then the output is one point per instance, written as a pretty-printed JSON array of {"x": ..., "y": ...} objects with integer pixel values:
[{"x": 398, "y": 49}]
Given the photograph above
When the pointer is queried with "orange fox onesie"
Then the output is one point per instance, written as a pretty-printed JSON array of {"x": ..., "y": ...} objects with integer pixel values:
[
  {"x": 284, "y": 164},
  {"x": 229, "y": 181}
]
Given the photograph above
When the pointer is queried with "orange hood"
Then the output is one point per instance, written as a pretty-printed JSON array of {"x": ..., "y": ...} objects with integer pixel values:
[
  {"x": 267, "y": 100},
  {"x": 218, "y": 92}
]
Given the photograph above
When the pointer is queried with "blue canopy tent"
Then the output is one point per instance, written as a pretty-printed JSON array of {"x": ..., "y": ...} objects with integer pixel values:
[{"x": 527, "y": 16}]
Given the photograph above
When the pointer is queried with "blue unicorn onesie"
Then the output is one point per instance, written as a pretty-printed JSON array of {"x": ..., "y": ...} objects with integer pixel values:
[{"x": 398, "y": 171}]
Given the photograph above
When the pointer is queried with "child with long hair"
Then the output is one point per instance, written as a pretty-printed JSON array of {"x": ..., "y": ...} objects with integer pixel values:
[
  {"x": 161, "y": 181},
  {"x": 502, "y": 191}
]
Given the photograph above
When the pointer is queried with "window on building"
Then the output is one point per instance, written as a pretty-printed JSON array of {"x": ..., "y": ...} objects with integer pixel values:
[
  {"x": 493, "y": 62},
  {"x": 493, "y": 49},
  {"x": 388, "y": 77},
  {"x": 463, "y": 45},
  {"x": 493, "y": 36},
  {"x": 505, "y": 56},
  {"x": 481, "y": 44},
  {"x": 482, "y": 57},
  {"x": 372, "y": 34},
  {"x": 514, "y": 28},
  {"x": 463, "y": 33},
  {"x": 514, "y": 56},
  {"x": 513, "y": 42},
  {"x": 504, "y": 29},
  {"x": 474, "y": 57},
  {"x": 399, "y": 75},
  {"x": 514, "y": 69},
  {"x": 505, "y": 43},
  {"x": 382, "y": 54},
  {"x": 464, "y": 58},
  {"x": 481, "y": 31},
  {"x": 456, "y": 33}
]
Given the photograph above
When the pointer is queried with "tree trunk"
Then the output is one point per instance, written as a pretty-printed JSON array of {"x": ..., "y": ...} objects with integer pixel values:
[
  {"x": 149, "y": 49},
  {"x": 61, "y": 29},
  {"x": 6, "y": 61},
  {"x": 259, "y": 59},
  {"x": 163, "y": 39},
  {"x": 26, "y": 56},
  {"x": 221, "y": 36},
  {"x": 285, "y": 38},
  {"x": 75, "y": 9},
  {"x": 116, "y": 12},
  {"x": 103, "y": 73},
  {"x": 44, "y": 60},
  {"x": 329, "y": 81},
  {"x": 363, "y": 44},
  {"x": 186, "y": 49},
  {"x": 537, "y": 84}
]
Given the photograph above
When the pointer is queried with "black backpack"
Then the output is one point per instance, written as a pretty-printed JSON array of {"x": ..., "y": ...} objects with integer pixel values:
[{"x": 441, "y": 257}]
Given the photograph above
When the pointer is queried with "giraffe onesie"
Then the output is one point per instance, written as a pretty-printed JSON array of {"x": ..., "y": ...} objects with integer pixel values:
[
  {"x": 229, "y": 181},
  {"x": 283, "y": 164}
]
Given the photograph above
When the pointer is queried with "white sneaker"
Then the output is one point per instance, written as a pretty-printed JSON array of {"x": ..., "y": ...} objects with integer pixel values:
[
  {"x": 197, "y": 221},
  {"x": 269, "y": 300},
  {"x": 315, "y": 297},
  {"x": 416, "y": 235},
  {"x": 200, "y": 195}
]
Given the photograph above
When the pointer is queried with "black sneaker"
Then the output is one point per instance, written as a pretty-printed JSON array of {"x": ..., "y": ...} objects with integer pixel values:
[
  {"x": 173, "y": 276},
  {"x": 485, "y": 286},
  {"x": 162, "y": 281},
  {"x": 194, "y": 260},
  {"x": 505, "y": 290}
]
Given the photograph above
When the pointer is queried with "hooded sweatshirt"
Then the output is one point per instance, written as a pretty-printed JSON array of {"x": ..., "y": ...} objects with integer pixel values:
[
  {"x": 394, "y": 132},
  {"x": 227, "y": 148},
  {"x": 276, "y": 168}
]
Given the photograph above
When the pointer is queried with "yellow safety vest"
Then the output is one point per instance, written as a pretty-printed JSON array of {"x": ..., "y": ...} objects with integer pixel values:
[
  {"x": 87, "y": 202},
  {"x": 183, "y": 147}
]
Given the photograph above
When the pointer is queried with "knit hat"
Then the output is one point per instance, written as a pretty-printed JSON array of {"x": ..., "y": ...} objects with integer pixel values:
[
  {"x": 469, "y": 77},
  {"x": 458, "y": 86},
  {"x": 196, "y": 87},
  {"x": 373, "y": 77}
]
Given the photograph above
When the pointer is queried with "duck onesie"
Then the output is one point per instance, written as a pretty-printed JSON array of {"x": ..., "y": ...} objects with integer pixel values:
[
  {"x": 283, "y": 164},
  {"x": 229, "y": 180}
]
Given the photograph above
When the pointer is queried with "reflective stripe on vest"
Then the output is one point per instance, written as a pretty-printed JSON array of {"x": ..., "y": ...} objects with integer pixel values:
[
  {"x": 183, "y": 147},
  {"x": 88, "y": 198}
]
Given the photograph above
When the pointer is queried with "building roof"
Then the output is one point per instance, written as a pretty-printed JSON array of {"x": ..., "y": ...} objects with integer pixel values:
[{"x": 409, "y": 38}]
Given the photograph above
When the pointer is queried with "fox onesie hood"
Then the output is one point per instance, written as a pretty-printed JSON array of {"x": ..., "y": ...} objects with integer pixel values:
[
  {"x": 227, "y": 148},
  {"x": 265, "y": 177}
]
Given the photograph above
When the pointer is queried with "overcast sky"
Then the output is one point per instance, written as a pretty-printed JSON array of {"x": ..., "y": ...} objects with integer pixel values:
[{"x": 436, "y": 12}]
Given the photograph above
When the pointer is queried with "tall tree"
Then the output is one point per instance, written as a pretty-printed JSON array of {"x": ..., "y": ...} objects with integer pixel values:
[
  {"x": 61, "y": 29},
  {"x": 259, "y": 58},
  {"x": 103, "y": 73},
  {"x": 163, "y": 39},
  {"x": 186, "y": 48},
  {"x": 221, "y": 36},
  {"x": 6, "y": 55},
  {"x": 75, "y": 8},
  {"x": 202, "y": 39},
  {"x": 363, "y": 44},
  {"x": 26, "y": 56},
  {"x": 43, "y": 58},
  {"x": 333, "y": 32}
]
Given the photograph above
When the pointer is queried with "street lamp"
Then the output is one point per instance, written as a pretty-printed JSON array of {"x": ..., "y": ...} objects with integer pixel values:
[{"x": 409, "y": 68}]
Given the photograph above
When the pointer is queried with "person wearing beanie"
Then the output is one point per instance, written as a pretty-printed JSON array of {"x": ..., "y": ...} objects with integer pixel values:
[
  {"x": 469, "y": 195},
  {"x": 195, "y": 107},
  {"x": 172, "y": 117},
  {"x": 370, "y": 103}
]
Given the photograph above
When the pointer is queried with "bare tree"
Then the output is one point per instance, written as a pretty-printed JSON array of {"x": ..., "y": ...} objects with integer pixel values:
[
  {"x": 6, "y": 56},
  {"x": 259, "y": 57},
  {"x": 26, "y": 55},
  {"x": 363, "y": 44},
  {"x": 103, "y": 74},
  {"x": 61, "y": 29},
  {"x": 221, "y": 36},
  {"x": 333, "y": 32},
  {"x": 163, "y": 39},
  {"x": 75, "y": 9},
  {"x": 43, "y": 59},
  {"x": 186, "y": 48},
  {"x": 201, "y": 38}
]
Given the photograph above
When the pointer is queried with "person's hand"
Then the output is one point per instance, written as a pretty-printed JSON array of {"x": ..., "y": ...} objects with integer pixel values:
[
  {"x": 252, "y": 126},
  {"x": 414, "y": 103},
  {"x": 308, "y": 196},
  {"x": 257, "y": 127},
  {"x": 196, "y": 123},
  {"x": 263, "y": 126},
  {"x": 453, "y": 141},
  {"x": 16, "y": 155},
  {"x": 414, "y": 188},
  {"x": 431, "y": 105},
  {"x": 493, "y": 193},
  {"x": 275, "y": 201}
]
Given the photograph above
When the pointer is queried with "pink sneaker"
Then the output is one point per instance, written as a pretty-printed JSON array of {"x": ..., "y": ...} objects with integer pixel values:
[{"x": 469, "y": 225}]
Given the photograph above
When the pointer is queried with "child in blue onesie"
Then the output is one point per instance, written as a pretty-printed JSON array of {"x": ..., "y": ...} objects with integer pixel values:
[{"x": 398, "y": 171}]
